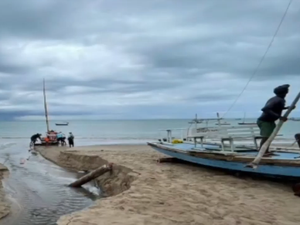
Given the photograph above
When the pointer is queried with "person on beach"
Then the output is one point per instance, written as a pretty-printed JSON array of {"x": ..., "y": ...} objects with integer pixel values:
[
  {"x": 59, "y": 137},
  {"x": 271, "y": 112},
  {"x": 71, "y": 140},
  {"x": 63, "y": 139},
  {"x": 35, "y": 137}
]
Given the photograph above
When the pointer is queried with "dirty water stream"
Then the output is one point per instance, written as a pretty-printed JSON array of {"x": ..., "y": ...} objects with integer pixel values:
[{"x": 37, "y": 189}]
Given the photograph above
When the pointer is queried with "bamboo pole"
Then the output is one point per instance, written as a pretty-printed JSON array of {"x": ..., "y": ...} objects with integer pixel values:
[
  {"x": 92, "y": 175},
  {"x": 265, "y": 146}
]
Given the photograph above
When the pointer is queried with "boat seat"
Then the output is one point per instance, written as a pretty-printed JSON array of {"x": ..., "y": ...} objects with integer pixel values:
[
  {"x": 229, "y": 134},
  {"x": 239, "y": 133},
  {"x": 202, "y": 136}
]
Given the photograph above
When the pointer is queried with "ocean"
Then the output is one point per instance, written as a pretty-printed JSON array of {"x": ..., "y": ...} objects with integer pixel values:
[{"x": 90, "y": 132}]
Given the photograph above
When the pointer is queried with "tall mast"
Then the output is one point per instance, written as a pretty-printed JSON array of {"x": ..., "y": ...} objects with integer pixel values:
[{"x": 45, "y": 105}]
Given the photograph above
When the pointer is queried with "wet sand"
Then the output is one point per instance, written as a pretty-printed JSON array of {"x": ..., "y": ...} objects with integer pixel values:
[
  {"x": 143, "y": 191},
  {"x": 4, "y": 208}
]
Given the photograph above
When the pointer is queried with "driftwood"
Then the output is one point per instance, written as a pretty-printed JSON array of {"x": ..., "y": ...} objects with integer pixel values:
[
  {"x": 265, "y": 146},
  {"x": 92, "y": 175}
]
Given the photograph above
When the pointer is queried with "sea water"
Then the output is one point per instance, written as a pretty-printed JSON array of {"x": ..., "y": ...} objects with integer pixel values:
[{"x": 112, "y": 131}]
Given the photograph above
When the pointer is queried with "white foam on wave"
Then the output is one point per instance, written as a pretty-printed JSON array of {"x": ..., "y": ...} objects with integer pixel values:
[{"x": 6, "y": 145}]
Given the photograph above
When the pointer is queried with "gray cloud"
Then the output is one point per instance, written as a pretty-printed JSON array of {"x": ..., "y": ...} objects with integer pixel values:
[{"x": 137, "y": 59}]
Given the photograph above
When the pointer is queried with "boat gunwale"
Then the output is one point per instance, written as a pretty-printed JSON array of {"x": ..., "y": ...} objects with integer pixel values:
[{"x": 230, "y": 157}]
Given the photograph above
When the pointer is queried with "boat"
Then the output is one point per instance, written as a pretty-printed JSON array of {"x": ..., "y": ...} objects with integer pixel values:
[
  {"x": 280, "y": 164},
  {"x": 221, "y": 149},
  {"x": 62, "y": 124},
  {"x": 246, "y": 123},
  {"x": 221, "y": 123},
  {"x": 50, "y": 138},
  {"x": 294, "y": 119}
]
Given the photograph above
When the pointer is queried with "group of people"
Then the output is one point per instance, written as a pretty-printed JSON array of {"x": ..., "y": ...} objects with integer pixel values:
[
  {"x": 53, "y": 137},
  {"x": 271, "y": 112}
]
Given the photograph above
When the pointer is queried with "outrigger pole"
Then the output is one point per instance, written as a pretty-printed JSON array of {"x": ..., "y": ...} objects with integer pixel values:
[
  {"x": 256, "y": 161},
  {"x": 45, "y": 105}
]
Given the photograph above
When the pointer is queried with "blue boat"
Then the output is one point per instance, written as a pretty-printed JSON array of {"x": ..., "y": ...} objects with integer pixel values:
[
  {"x": 281, "y": 163},
  {"x": 226, "y": 153}
]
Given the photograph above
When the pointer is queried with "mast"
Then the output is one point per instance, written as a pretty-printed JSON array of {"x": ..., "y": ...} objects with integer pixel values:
[
  {"x": 45, "y": 105},
  {"x": 219, "y": 119}
]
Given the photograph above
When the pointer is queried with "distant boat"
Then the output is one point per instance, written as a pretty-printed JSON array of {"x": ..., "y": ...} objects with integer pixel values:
[
  {"x": 62, "y": 124},
  {"x": 294, "y": 119},
  {"x": 245, "y": 123},
  {"x": 219, "y": 121}
]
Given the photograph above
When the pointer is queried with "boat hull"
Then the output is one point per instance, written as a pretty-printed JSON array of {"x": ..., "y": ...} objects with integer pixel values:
[
  {"x": 49, "y": 144},
  {"x": 268, "y": 170}
]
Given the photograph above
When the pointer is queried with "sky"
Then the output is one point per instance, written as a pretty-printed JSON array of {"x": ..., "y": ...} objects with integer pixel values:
[{"x": 137, "y": 59}]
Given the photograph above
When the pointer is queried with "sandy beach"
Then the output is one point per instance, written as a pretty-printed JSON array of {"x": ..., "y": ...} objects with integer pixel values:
[
  {"x": 142, "y": 191},
  {"x": 4, "y": 208}
]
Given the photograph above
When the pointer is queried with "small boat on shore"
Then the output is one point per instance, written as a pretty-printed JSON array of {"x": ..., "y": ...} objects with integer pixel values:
[
  {"x": 228, "y": 153},
  {"x": 51, "y": 135},
  {"x": 62, "y": 124},
  {"x": 280, "y": 163}
]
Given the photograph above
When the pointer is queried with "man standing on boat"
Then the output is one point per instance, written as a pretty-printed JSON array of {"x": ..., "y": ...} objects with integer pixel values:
[
  {"x": 297, "y": 137},
  {"x": 271, "y": 112}
]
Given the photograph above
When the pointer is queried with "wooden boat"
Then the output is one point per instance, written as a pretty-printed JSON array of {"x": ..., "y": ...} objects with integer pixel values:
[
  {"x": 234, "y": 156},
  {"x": 246, "y": 123},
  {"x": 281, "y": 164},
  {"x": 62, "y": 124},
  {"x": 50, "y": 134}
]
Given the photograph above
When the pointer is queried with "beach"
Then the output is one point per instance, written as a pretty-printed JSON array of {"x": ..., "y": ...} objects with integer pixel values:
[
  {"x": 142, "y": 191},
  {"x": 4, "y": 207}
]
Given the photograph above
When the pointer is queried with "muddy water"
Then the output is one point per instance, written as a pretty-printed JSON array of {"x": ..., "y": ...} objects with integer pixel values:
[{"x": 37, "y": 189}]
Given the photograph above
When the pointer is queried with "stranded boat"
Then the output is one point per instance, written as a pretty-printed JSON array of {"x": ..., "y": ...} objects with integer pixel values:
[
  {"x": 220, "y": 149},
  {"x": 51, "y": 135}
]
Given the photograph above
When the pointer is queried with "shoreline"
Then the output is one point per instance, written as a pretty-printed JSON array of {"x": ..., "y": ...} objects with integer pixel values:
[
  {"x": 141, "y": 191},
  {"x": 4, "y": 206}
]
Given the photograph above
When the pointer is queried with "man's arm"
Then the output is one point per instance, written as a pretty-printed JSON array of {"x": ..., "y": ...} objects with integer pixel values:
[{"x": 287, "y": 107}]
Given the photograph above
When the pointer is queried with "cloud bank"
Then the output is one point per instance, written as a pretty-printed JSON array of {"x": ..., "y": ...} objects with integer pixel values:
[{"x": 144, "y": 59}]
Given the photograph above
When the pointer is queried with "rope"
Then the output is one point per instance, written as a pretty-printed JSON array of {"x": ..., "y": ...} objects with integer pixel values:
[{"x": 262, "y": 59}]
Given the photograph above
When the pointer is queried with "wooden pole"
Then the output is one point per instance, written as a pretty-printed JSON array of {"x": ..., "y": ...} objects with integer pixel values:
[
  {"x": 45, "y": 105},
  {"x": 92, "y": 175},
  {"x": 265, "y": 146}
]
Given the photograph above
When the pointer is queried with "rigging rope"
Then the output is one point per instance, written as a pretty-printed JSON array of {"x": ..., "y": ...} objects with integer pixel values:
[{"x": 262, "y": 59}]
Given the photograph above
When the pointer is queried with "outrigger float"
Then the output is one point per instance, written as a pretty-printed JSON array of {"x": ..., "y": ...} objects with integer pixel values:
[{"x": 226, "y": 153}]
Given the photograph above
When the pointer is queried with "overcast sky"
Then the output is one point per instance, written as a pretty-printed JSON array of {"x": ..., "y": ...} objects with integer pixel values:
[{"x": 127, "y": 59}]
